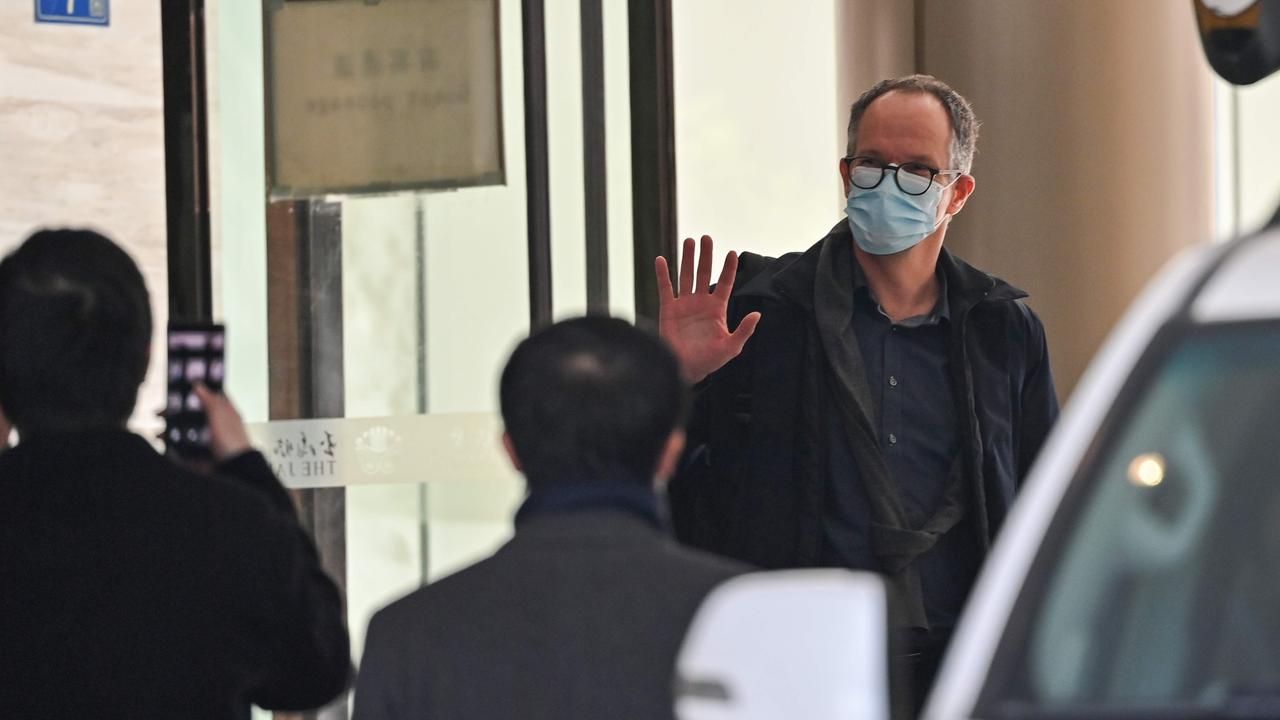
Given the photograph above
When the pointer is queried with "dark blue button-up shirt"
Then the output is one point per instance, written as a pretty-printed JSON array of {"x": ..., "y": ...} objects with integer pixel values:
[{"x": 907, "y": 369}]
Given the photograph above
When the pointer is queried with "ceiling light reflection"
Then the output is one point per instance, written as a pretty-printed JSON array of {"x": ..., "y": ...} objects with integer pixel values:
[{"x": 1147, "y": 470}]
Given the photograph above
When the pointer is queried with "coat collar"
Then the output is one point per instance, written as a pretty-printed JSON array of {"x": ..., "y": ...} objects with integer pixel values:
[
  {"x": 791, "y": 278},
  {"x": 637, "y": 499},
  {"x": 92, "y": 447},
  {"x": 586, "y": 527}
]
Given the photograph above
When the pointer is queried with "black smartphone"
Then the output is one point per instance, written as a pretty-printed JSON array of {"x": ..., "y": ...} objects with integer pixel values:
[{"x": 196, "y": 355}]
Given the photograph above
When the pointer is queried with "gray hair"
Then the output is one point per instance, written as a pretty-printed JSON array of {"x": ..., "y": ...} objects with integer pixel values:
[{"x": 964, "y": 125}]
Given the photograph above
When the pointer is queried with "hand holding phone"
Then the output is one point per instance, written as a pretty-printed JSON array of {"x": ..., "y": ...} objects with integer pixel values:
[
  {"x": 228, "y": 436},
  {"x": 196, "y": 357}
]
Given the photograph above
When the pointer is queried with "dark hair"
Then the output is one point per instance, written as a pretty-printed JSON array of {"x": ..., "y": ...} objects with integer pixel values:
[
  {"x": 964, "y": 125},
  {"x": 75, "y": 328},
  {"x": 592, "y": 399}
]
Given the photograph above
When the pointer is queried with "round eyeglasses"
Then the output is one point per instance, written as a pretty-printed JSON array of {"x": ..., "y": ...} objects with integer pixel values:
[{"x": 912, "y": 178}]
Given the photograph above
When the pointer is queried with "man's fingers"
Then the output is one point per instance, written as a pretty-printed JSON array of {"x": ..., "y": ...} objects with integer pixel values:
[
  {"x": 230, "y": 438},
  {"x": 704, "y": 264},
  {"x": 209, "y": 400},
  {"x": 744, "y": 331},
  {"x": 724, "y": 286},
  {"x": 686, "y": 268},
  {"x": 663, "y": 274},
  {"x": 216, "y": 407},
  {"x": 203, "y": 393}
]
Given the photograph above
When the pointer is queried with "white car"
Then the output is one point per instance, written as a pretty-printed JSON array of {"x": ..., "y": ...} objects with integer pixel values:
[{"x": 1138, "y": 575}]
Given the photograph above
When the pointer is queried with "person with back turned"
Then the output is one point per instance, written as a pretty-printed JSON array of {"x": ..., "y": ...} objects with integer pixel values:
[
  {"x": 878, "y": 401},
  {"x": 581, "y": 615},
  {"x": 131, "y": 587}
]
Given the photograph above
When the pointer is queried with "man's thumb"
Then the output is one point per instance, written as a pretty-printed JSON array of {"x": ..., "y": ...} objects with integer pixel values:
[{"x": 744, "y": 331}]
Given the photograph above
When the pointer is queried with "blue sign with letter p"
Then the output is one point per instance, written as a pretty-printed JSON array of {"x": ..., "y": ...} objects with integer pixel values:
[{"x": 75, "y": 12}]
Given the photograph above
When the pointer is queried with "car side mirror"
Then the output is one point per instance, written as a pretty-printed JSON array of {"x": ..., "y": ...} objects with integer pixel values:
[{"x": 808, "y": 644}]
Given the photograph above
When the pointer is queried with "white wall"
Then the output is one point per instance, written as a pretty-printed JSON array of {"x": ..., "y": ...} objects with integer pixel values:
[
  {"x": 1258, "y": 125},
  {"x": 82, "y": 142},
  {"x": 756, "y": 109},
  {"x": 1246, "y": 156}
]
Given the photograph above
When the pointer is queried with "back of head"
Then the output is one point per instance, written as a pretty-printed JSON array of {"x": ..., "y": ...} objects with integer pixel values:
[
  {"x": 75, "y": 330},
  {"x": 591, "y": 400}
]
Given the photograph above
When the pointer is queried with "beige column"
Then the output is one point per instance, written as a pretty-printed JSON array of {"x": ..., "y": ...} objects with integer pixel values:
[
  {"x": 1094, "y": 162},
  {"x": 875, "y": 39}
]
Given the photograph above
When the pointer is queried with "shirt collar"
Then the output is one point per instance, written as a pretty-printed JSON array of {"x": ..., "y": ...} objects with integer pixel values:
[{"x": 941, "y": 310}]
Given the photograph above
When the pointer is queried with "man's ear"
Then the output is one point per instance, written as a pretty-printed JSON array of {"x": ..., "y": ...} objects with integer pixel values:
[
  {"x": 844, "y": 175},
  {"x": 670, "y": 457},
  {"x": 961, "y": 189},
  {"x": 510, "y": 447}
]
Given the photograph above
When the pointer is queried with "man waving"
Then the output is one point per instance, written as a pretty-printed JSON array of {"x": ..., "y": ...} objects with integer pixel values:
[{"x": 872, "y": 403}]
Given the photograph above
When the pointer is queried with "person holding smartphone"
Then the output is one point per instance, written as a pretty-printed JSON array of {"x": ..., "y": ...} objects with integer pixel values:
[{"x": 132, "y": 585}]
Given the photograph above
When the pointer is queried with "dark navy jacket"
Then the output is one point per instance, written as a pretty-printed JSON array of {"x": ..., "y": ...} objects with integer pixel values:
[{"x": 754, "y": 482}]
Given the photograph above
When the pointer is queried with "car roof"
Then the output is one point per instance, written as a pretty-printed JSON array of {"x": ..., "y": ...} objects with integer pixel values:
[{"x": 1245, "y": 284}]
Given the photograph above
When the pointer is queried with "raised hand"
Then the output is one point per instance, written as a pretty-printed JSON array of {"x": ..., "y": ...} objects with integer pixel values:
[{"x": 695, "y": 322}]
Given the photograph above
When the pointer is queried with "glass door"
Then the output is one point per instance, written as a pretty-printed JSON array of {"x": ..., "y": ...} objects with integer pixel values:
[{"x": 403, "y": 306}]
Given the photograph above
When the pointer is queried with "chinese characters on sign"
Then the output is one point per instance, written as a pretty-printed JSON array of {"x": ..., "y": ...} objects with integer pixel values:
[
  {"x": 333, "y": 452},
  {"x": 393, "y": 62},
  {"x": 368, "y": 97},
  {"x": 303, "y": 457}
]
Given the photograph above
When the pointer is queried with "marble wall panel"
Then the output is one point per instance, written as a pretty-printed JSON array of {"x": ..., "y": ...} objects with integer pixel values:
[{"x": 82, "y": 140}]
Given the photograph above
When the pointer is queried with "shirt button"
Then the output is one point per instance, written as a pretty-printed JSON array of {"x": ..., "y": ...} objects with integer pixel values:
[
  {"x": 893, "y": 381},
  {"x": 893, "y": 439}
]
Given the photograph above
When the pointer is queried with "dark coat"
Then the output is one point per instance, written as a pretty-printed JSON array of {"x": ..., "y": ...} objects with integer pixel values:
[
  {"x": 130, "y": 588},
  {"x": 581, "y": 615},
  {"x": 754, "y": 483}
]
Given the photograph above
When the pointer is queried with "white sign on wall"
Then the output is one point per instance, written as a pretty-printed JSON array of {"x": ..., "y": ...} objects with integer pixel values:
[
  {"x": 409, "y": 449},
  {"x": 371, "y": 97}
]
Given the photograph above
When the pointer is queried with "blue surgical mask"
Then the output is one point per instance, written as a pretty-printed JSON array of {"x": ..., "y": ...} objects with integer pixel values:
[{"x": 885, "y": 220}]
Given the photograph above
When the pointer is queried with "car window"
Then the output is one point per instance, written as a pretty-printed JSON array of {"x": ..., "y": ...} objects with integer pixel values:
[{"x": 1161, "y": 587}]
